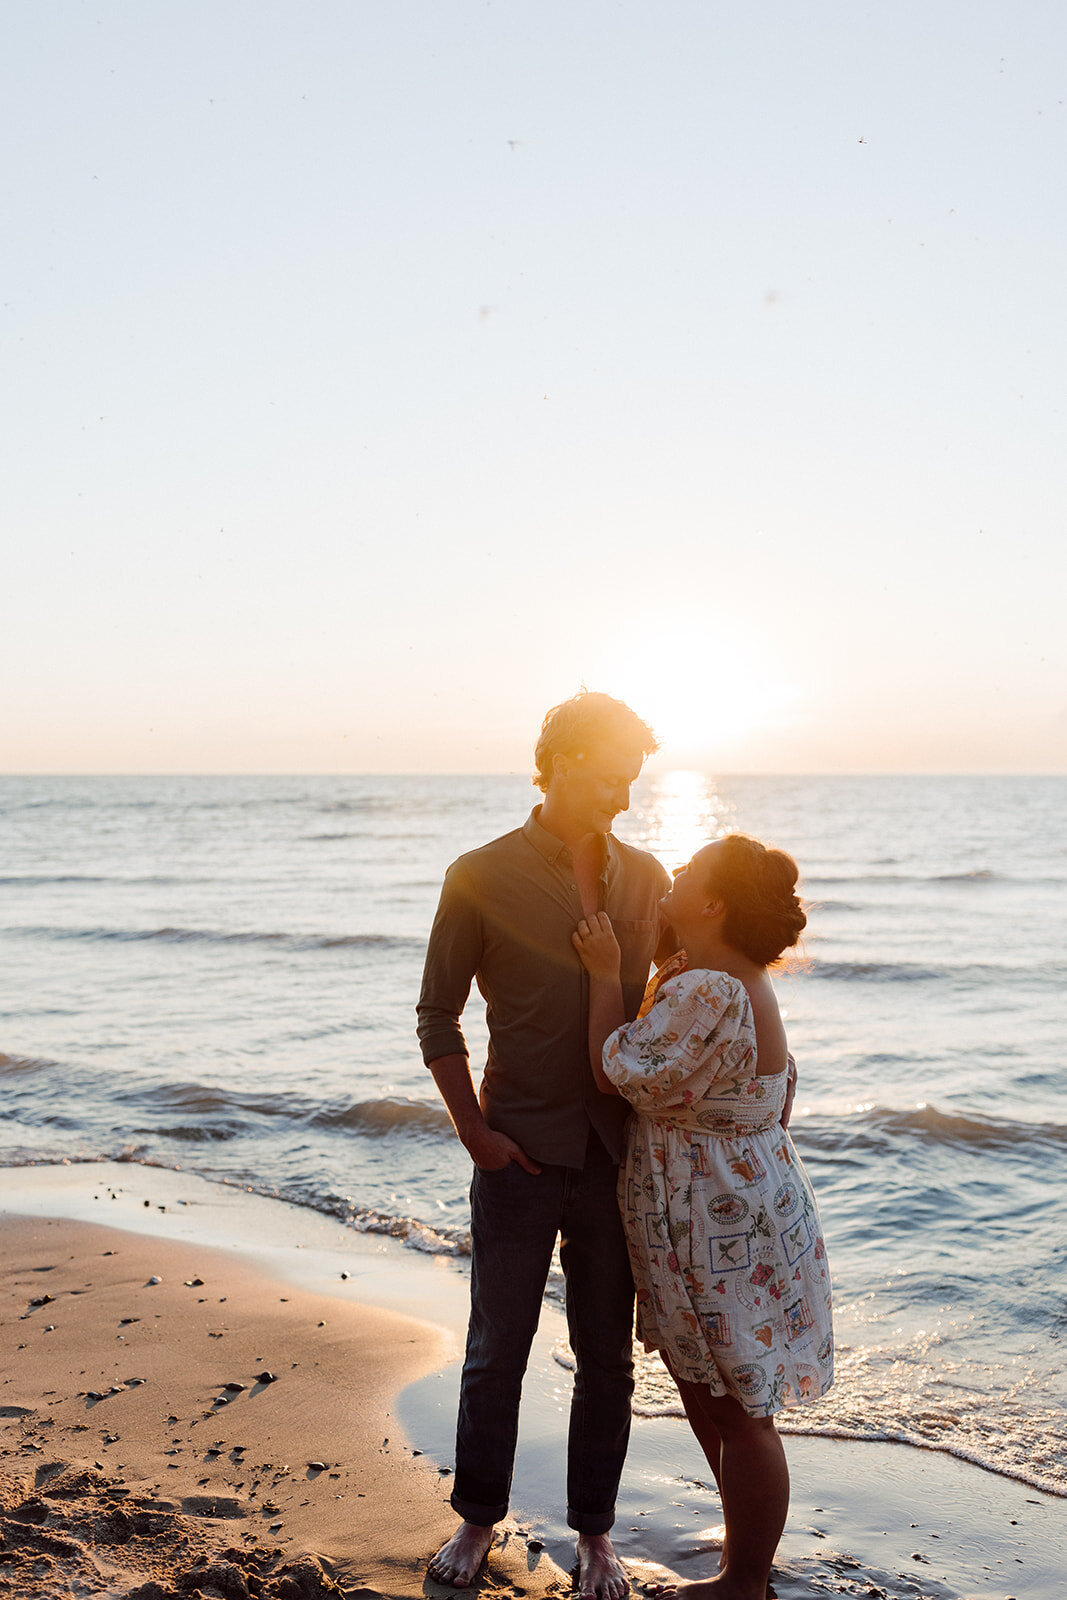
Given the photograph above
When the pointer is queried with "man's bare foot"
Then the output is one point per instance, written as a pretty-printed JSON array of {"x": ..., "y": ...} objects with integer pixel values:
[
  {"x": 600, "y": 1573},
  {"x": 459, "y": 1561}
]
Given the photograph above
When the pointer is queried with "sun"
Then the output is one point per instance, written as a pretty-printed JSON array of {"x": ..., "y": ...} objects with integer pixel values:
[{"x": 711, "y": 695}]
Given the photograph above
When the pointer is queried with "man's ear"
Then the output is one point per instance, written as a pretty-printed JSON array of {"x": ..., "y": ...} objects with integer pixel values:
[{"x": 560, "y": 766}]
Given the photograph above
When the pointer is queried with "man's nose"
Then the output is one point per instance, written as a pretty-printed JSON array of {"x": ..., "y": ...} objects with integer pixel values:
[{"x": 622, "y": 797}]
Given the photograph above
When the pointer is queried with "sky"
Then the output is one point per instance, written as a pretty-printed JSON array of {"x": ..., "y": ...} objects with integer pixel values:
[{"x": 377, "y": 373}]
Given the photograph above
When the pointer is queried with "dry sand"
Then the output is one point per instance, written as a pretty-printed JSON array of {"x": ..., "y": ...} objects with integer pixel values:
[{"x": 128, "y": 1468}]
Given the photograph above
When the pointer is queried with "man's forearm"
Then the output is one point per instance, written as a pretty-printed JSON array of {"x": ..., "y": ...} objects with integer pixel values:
[
  {"x": 486, "y": 1146},
  {"x": 452, "y": 1075}
]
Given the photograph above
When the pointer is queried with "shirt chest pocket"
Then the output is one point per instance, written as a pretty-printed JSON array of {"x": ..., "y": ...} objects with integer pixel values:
[{"x": 637, "y": 940}]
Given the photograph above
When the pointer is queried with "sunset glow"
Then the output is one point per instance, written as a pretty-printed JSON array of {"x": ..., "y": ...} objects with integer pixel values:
[{"x": 369, "y": 392}]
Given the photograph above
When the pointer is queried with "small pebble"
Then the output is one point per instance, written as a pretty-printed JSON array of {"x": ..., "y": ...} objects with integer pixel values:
[
  {"x": 153, "y": 1279},
  {"x": 266, "y": 1377},
  {"x": 235, "y": 1388},
  {"x": 317, "y": 1466}
]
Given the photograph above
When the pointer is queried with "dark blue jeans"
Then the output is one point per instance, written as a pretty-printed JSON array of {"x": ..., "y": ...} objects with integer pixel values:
[{"x": 515, "y": 1219}]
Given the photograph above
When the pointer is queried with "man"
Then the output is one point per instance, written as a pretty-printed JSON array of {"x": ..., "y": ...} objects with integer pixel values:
[{"x": 545, "y": 1143}]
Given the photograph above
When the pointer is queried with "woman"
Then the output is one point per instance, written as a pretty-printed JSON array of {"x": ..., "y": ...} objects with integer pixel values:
[{"x": 732, "y": 1282}]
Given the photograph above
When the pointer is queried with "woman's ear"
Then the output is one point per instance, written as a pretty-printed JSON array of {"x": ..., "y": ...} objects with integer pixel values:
[{"x": 715, "y": 910}]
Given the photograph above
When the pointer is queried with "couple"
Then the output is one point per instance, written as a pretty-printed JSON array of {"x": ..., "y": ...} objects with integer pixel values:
[{"x": 559, "y": 923}]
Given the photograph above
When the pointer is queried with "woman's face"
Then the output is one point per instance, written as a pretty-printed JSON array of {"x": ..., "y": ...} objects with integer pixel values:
[{"x": 690, "y": 893}]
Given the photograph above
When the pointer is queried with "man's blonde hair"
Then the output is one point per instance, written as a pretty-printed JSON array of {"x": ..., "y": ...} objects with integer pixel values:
[{"x": 589, "y": 719}]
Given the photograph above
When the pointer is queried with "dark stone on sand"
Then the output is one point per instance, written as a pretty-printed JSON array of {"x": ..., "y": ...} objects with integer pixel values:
[
  {"x": 266, "y": 1377},
  {"x": 235, "y": 1388}
]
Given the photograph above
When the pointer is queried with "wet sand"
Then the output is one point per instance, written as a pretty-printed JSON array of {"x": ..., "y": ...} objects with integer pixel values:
[{"x": 128, "y": 1468}]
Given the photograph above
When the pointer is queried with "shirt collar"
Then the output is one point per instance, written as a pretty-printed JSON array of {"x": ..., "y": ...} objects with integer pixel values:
[{"x": 554, "y": 850}]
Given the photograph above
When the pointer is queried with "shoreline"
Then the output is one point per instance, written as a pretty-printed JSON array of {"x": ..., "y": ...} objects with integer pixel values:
[{"x": 867, "y": 1518}]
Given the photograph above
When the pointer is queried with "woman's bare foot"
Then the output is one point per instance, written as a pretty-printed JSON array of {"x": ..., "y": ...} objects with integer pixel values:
[
  {"x": 459, "y": 1561},
  {"x": 600, "y": 1573},
  {"x": 719, "y": 1588}
]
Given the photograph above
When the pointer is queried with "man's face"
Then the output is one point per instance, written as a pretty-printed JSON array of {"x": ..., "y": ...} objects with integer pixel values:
[{"x": 597, "y": 786}]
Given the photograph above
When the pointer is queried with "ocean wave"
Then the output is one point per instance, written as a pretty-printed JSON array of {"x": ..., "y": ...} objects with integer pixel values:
[
  {"x": 387, "y": 1116},
  {"x": 926, "y": 1123},
  {"x": 173, "y": 935},
  {"x": 10, "y": 1066},
  {"x": 212, "y": 1112},
  {"x": 873, "y": 971},
  {"x": 967, "y": 974},
  {"x": 192, "y": 1112},
  {"x": 980, "y": 875},
  {"x": 42, "y": 880},
  {"x": 201, "y": 1100}
]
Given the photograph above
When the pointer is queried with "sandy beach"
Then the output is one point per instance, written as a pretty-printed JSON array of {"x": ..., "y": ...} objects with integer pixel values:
[{"x": 204, "y": 1391}]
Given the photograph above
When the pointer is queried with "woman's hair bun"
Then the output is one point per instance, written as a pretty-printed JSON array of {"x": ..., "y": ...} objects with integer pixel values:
[{"x": 764, "y": 916}]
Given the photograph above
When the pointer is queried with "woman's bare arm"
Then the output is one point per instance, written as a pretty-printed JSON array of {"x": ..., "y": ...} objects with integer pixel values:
[{"x": 598, "y": 948}]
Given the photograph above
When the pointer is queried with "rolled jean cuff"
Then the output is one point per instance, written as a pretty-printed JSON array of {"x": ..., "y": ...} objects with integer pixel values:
[
  {"x": 471, "y": 1511},
  {"x": 590, "y": 1522}
]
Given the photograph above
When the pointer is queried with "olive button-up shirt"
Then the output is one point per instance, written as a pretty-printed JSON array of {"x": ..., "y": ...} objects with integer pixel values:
[{"x": 505, "y": 919}]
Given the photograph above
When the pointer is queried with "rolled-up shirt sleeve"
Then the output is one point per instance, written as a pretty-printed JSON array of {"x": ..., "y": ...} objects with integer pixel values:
[{"x": 452, "y": 958}]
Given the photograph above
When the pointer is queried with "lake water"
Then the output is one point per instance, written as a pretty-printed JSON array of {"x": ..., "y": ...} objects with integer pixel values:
[{"x": 220, "y": 974}]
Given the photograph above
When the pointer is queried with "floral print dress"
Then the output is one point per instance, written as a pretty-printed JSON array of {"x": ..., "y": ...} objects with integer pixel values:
[{"x": 724, "y": 1237}]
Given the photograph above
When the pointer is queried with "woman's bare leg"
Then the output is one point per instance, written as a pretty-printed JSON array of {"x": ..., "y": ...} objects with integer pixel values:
[
  {"x": 706, "y": 1433},
  {"x": 754, "y": 1483}
]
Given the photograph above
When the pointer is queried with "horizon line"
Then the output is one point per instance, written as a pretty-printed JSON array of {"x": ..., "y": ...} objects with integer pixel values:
[{"x": 514, "y": 773}]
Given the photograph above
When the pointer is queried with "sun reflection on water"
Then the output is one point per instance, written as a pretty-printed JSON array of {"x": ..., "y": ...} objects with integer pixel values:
[{"x": 674, "y": 813}]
